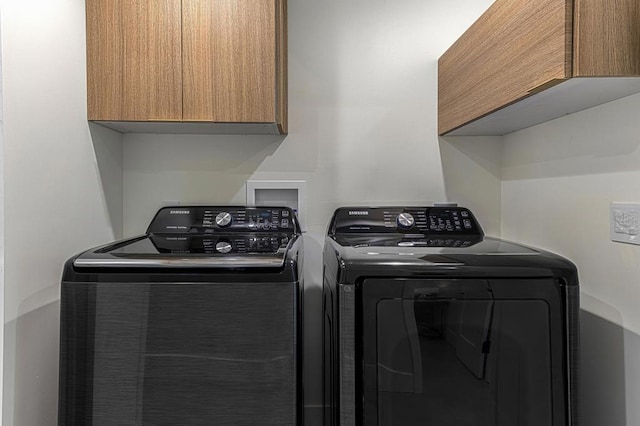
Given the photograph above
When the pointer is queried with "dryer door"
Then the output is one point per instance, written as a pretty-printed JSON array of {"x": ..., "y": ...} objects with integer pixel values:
[{"x": 465, "y": 352}]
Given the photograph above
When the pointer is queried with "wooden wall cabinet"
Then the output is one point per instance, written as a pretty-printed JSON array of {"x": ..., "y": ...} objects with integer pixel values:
[
  {"x": 524, "y": 62},
  {"x": 188, "y": 66}
]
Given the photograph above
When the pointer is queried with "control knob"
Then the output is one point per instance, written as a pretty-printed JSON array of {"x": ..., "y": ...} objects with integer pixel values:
[
  {"x": 223, "y": 247},
  {"x": 223, "y": 219},
  {"x": 405, "y": 220}
]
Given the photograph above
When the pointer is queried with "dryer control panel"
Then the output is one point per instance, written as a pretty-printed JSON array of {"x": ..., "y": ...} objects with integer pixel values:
[
  {"x": 441, "y": 221},
  {"x": 227, "y": 219}
]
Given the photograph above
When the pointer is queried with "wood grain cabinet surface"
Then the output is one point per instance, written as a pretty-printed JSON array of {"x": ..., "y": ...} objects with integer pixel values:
[
  {"x": 188, "y": 66},
  {"x": 524, "y": 62}
]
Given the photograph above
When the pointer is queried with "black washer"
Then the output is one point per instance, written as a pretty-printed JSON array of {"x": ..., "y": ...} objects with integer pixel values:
[{"x": 193, "y": 323}]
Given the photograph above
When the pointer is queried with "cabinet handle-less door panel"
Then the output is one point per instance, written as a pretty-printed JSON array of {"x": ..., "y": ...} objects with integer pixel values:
[
  {"x": 132, "y": 70},
  {"x": 229, "y": 55},
  {"x": 515, "y": 49},
  {"x": 607, "y": 38}
]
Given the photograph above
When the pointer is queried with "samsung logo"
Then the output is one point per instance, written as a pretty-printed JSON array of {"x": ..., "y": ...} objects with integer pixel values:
[
  {"x": 358, "y": 213},
  {"x": 179, "y": 212}
]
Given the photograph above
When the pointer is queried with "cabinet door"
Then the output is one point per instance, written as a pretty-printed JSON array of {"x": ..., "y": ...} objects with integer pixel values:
[
  {"x": 133, "y": 60},
  {"x": 230, "y": 54},
  {"x": 515, "y": 49},
  {"x": 606, "y": 38}
]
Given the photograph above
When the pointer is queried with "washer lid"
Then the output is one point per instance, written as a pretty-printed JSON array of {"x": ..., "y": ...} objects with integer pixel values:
[
  {"x": 204, "y": 237},
  {"x": 232, "y": 250}
]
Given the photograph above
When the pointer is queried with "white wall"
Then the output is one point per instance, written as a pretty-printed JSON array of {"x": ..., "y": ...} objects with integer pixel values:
[
  {"x": 55, "y": 200},
  {"x": 362, "y": 113},
  {"x": 1, "y": 219},
  {"x": 362, "y": 130},
  {"x": 472, "y": 173},
  {"x": 558, "y": 181}
]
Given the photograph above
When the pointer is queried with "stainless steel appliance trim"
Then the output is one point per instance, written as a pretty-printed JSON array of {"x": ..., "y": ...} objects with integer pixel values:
[
  {"x": 101, "y": 258},
  {"x": 184, "y": 262}
]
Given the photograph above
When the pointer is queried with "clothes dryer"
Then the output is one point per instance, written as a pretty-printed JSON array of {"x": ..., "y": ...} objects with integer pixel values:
[
  {"x": 197, "y": 322},
  {"x": 429, "y": 322}
]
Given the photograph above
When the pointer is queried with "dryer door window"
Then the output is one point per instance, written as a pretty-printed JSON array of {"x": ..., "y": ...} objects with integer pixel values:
[{"x": 461, "y": 352}]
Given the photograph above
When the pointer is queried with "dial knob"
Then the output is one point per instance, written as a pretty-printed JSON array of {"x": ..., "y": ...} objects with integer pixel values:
[
  {"x": 223, "y": 247},
  {"x": 223, "y": 219},
  {"x": 405, "y": 220}
]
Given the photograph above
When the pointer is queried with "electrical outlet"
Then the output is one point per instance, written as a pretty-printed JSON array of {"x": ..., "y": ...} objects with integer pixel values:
[{"x": 625, "y": 222}]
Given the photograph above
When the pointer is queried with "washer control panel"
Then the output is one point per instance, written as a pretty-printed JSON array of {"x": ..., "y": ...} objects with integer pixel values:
[
  {"x": 446, "y": 220},
  {"x": 215, "y": 219}
]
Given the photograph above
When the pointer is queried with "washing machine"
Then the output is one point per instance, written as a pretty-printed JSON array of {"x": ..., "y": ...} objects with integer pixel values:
[
  {"x": 429, "y": 322},
  {"x": 196, "y": 322}
]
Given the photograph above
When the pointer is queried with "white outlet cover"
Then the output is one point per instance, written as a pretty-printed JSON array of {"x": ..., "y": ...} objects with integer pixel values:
[{"x": 624, "y": 222}]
